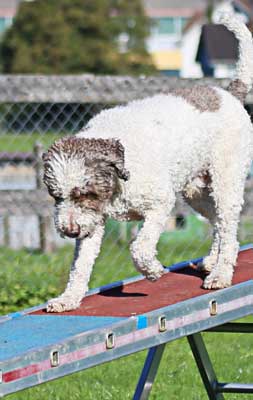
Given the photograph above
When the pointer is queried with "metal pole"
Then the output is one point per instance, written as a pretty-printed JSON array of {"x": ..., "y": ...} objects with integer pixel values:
[
  {"x": 235, "y": 387},
  {"x": 205, "y": 366},
  {"x": 46, "y": 244},
  {"x": 149, "y": 372},
  {"x": 233, "y": 327}
]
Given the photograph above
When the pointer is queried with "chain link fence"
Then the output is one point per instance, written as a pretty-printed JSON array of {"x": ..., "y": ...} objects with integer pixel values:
[{"x": 34, "y": 112}]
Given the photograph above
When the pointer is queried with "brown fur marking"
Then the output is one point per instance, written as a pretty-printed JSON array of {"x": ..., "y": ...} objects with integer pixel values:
[
  {"x": 103, "y": 157},
  {"x": 206, "y": 178},
  {"x": 134, "y": 216},
  {"x": 203, "y": 98},
  {"x": 238, "y": 89}
]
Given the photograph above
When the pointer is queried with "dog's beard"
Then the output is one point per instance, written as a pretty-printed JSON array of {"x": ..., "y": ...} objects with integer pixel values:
[{"x": 86, "y": 219}]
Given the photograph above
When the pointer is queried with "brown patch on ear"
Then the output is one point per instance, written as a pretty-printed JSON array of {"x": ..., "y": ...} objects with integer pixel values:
[
  {"x": 113, "y": 153},
  {"x": 69, "y": 146},
  {"x": 109, "y": 150},
  {"x": 45, "y": 157}
]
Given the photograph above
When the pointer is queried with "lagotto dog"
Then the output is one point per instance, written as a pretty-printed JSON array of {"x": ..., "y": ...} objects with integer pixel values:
[{"x": 130, "y": 162}]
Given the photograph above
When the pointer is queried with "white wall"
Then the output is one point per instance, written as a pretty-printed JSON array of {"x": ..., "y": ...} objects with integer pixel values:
[
  {"x": 189, "y": 47},
  {"x": 162, "y": 42}
]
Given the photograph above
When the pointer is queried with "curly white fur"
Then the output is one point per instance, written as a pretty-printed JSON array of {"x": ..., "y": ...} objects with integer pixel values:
[
  {"x": 169, "y": 143},
  {"x": 244, "y": 65}
]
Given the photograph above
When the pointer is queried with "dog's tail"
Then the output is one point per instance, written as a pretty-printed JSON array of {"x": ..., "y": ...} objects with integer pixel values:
[{"x": 243, "y": 80}]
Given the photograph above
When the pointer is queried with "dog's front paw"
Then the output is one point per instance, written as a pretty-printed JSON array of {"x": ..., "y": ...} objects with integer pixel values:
[
  {"x": 62, "y": 303},
  {"x": 218, "y": 279},
  {"x": 153, "y": 274},
  {"x": 207, "y": 264}
]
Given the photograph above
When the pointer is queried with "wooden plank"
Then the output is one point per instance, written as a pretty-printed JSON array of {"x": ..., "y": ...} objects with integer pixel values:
[
  {"x": 17, "y": 157},
  {"x": 89, "y": 88},
  {"x": 137, "y": 298}
]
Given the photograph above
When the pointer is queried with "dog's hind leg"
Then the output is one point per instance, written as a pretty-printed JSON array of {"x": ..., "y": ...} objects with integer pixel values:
[
  {"x": 86, "y": 252},
  {"x": 143, "y": 249},
  {"x": 228, "y": 187},
  {"x": 203, "y": 203},
  {"x": 210, "y": 261}
]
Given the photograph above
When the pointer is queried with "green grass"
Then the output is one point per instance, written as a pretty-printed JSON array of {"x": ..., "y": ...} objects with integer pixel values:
[
  {"x": 25, "y": 142},
  {"x": 29, "y": 278}
]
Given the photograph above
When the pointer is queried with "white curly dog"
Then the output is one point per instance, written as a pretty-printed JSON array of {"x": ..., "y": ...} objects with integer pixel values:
[{"x": 130, "y": 162}]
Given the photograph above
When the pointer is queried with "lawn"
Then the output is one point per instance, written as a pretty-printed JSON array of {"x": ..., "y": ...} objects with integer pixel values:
[
  {"x": 25, "y": 142},
  {"x": 29, "y": 278}
]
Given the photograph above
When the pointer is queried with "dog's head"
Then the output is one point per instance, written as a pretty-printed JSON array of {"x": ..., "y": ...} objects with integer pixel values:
[{"x": 82, "y": 176}]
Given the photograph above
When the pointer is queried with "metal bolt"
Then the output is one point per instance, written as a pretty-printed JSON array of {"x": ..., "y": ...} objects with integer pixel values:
[
  {"x": 162, "y": 324},
  {"x": 213, "y": 307},
  {"x": 54, "y": 358},
  {"x": 110, "y": 340}
]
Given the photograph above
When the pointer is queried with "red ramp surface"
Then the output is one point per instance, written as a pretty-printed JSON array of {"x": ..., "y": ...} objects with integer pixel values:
[{"x": 143, "y": 296}]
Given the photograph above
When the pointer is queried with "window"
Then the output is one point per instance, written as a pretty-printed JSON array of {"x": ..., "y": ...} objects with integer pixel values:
[
  {"x": 168, "y": 25},
  {"x": 4, "y": 23}
]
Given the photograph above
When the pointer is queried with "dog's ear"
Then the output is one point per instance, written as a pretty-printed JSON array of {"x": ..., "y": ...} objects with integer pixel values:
[
  {"x": 109, "y": 151},
  {"x": 67, "y": 147},
  {"x": 46, "y": 157},
  {"x": 54, "y": 149},
  {"x": 115, "y": 155}
]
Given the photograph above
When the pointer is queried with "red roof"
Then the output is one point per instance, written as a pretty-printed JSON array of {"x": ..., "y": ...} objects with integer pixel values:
[
  {"x": 8, "y": 8},
  {"x": 173, "y": 8}
]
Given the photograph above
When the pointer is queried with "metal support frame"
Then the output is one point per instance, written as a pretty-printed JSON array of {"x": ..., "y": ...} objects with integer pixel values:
[
  {"x": 205, "y": 367},
  {"x": 235, "y": 387},
  {"x": 149, "y": 372},
  {"x": 233, "y": 327},
  {"x": 213, "y": 388}
]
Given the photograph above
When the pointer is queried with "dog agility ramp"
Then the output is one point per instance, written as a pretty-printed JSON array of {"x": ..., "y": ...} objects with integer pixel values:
[{"x": 118, "y": 320}]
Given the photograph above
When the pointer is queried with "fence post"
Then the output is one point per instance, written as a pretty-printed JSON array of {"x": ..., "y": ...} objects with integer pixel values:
[
  {"x": 6, "y": 231},
  {"x": 45, "y": 232}
]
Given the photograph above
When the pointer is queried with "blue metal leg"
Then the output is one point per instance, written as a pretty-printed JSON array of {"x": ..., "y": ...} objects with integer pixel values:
[
  {"x": 205, "y": 366},
  {"x": 149, "y": 371}
]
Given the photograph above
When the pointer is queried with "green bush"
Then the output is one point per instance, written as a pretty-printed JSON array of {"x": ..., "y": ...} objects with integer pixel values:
[{"x": 78, "y": 36}]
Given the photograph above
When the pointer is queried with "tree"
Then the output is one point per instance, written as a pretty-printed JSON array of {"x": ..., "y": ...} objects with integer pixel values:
[{"x": 77, "y": 36}]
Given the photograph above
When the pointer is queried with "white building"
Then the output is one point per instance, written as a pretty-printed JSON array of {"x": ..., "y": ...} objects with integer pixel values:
[
  {"x": 8, "y": 9},
  {"x": 177, "y": 26},
  {"x": 169, "y": 18}
]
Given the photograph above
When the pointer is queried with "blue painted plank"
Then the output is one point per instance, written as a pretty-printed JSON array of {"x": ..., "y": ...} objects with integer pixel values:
[{"x": 30, "y": 332}]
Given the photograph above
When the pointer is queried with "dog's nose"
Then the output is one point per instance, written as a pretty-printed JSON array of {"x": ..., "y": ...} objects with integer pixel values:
[{"x": 73, "y": 231}]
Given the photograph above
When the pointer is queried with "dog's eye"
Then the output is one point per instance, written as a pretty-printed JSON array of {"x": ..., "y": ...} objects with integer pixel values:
[
  {"x": 91, "y": 196},
  {"x": 77, "y": 193},
  {"x": 82, "y": 194}
]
